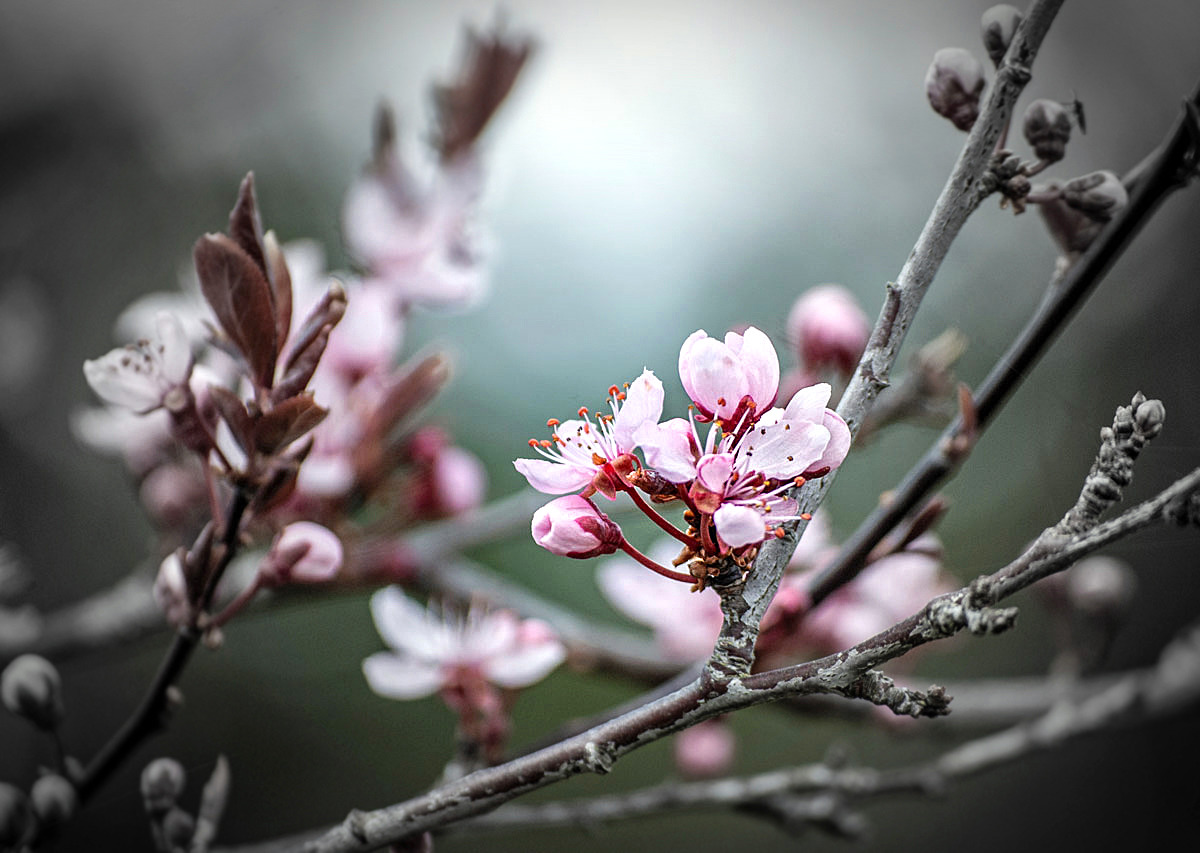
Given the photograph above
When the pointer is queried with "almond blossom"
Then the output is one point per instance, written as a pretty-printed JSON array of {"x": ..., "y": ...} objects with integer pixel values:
[
  {"x": 141, "y": 376},
  {"x": 433, "y": 650},
  {"x": 596, "y": 455}
]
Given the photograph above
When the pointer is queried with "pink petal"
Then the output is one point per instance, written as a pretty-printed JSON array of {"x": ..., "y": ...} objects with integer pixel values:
[
  {"x": 760, "y": 363},
  {"x": 553, "y": 478},
  {"x": 718, "y": 380},
  {"x": 785, "y": 449},
  {"x": 668, "y": 449},
  {"x": 713, "y": 471},
  {"x": 839, "y": 441},
  {"x": 809, "y": 403}
]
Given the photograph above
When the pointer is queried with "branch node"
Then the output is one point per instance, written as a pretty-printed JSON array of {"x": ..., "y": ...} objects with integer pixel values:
[{"x": 598, "y": 758}]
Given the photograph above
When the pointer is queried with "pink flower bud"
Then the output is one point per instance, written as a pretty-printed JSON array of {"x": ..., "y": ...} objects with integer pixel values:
[
  {"x": 571, "y": 526},
  {"x": 718, "y": 375},
  {"x": 705, "y": 749},
  {"x": 305, "y": 552},
  {"x": 954, "y": 83},
  {"x": 828, "y": 329}
]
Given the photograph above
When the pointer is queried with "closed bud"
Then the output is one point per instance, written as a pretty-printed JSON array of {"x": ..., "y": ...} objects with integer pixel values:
[
  {"x": 1098, "y": 196},
  {"x": 1150, "y": 415},
  {"x": 953, "y": 84},
  {"x": 304, "y": 552},
  {"x": 571, "y": 526},
  {"x": 162, "y": 783},
  {"x": 997, "y": 27},
  {"x": 54, "y": 800},
  {"x": 1047, "y": 129},
  {"x": 14, "y": 815},
  {"x": 31, "y": 688}
]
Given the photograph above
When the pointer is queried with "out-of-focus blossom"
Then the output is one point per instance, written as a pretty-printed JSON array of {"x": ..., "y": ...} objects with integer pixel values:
[
  {"x": 173, "y": 492},
  {"x": 142, "y": 440},
  {"x": 142, "y": 375},
  {"x": 571, "y": 526},
  {"x": 304, "y": 552},
  {"x": 171, "y": 592},
  {"x": 685, "y": 623},
  {"x": 449, "y": 479},
  {"x": 31, "y": 687},
  {"x": 589, "y": 454},
  {"x": 997, "y": 27},
  {"x": 828, "y": 329},
  {"x": 367, "y": 340},
  {"x": 1047, "y": 128},
  {"x": 705, "y": 750},
  {"x": 953, "y": 84},
  {"x": 886, "y": 591},
  {"x": 433, "y": 650},
  {"x": 417, "y": 239},
  {"x": 725, "y": 379}
]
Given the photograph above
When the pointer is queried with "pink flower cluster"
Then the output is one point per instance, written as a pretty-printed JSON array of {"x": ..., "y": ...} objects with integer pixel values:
[{"x": 733, "y": 479}]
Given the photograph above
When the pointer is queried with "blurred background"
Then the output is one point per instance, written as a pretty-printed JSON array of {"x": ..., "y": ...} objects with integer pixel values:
[{"x": 660, "y": 168}]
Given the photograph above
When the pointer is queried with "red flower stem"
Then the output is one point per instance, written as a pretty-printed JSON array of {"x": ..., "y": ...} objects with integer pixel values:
[
  {"x": 653, "y": 566},
  {"x": 238, "y": 604},
  {"x": 653, "y": 515}
]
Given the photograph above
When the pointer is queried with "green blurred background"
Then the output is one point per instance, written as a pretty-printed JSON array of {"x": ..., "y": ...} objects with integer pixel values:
[{"x": 662, "y": 167}]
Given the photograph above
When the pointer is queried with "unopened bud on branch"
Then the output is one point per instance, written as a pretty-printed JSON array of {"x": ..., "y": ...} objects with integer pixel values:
[
  {"x": 997, "y": 27},
  {"x": 31, "y": 688},
  {"x": 14, "y": 816},
  {"x": 305, "y": 552},
  {"x": 1098, "y": 196},
  {"x": 571, "y": 526},
  {"x": 54, "y": 800},
  {"x": 162, "y": 783},
  {"x": 1047, "y": 129},
  {"x": 953, "y": 84},
  {"x": 1100, "y": 586}
]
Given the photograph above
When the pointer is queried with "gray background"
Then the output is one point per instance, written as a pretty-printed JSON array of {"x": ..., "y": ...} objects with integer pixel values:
[{"x": 663, "y": 167}]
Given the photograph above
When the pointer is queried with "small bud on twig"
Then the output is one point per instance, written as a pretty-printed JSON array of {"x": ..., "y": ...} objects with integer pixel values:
[
  {"x": 54, "y": 801},
  {"x": 997, "y": 27},
  {"x": 1047, "y": 129},
  {"x": 1098, "y": 195},
  {"x": 31, "y": 688},
  {"x": 162, "y": 783},
  {"x": 953, "y": 84}
]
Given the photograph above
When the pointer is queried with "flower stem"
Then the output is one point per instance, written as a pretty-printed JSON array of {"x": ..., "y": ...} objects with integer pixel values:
[
  {"x": 653, "y": 566},
  {"x": 654, "y": 516},
  {"x": 238, "y": 604}
]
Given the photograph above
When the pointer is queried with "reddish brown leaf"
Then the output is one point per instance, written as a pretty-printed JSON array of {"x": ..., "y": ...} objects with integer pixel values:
[
  {"x": 245, "y": 225},
  {"x": 301, "y": 367},
  {"x": 281, "y": 287},
  {"x": 287, "y": 422},
  {"x": 407, "y": 394},
  {"x": 464, "y": 107},
  {"x": 238, "y": 292},
  {"x": 233, "y": 412}
]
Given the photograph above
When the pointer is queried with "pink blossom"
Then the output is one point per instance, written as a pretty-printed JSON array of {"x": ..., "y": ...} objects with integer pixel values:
[
  {"x": 587, "y": 453},
  {"x": 685, "y": 623},
  {"x": 828, "y": 329},
  {"x": 303, "y": 552},
  {"x": 416, "y": 240},
  {"x": 141, "y": 375},
  {"x": 888, "y": 590},
  {"x": 368, "y": 337},
  {"x": 571, "y": 526},
  {"x": 433, "y": 650},
  {"x": 705, "y": 749},
  {"x": 457, "y": 481},
  {"x": 725, "y": 380},
  {"x": 740, "y": 478}
]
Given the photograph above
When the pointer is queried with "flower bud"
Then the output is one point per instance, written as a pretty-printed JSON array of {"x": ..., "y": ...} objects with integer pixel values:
[
  {"x": 1101, "y": 586},
  {"x": 304, "y": 552},
  {"x": 1149, "y": 416},
  {"x": 997, "y": 27},
  {"x": 14, "y": 816},
  {"x": 54, "y": 800},
  {"x": 171, "y": 592},
  {"x": 571, "y": 526},
  {"x": 828, "y": 329},
  {"x": 954, "y": 83},
  {"x": 31, "y": 688},
  {"x": 162, "y": 783},
  {"x": 178, "y": 828},
  {"x": 1098, "y": 196},
  {"x": 1047, "y": 129}
]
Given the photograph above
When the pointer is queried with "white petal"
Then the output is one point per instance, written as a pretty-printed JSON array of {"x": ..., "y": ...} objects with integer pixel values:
[
  {"x": 176, "y": 349},
  {"x": 123, "y": 378},
  {"x": 525, "y": 665},
  {"x": 809, "y": 403},
  {"x": 643, "y": 404},
  {"x": 406, "y": 626},
  {"x": 396, "y": 677},
  {"x": 761, "y": 365},
  {"x": 785, "y": 449},
  {"x": 718, "y": 380},
  {"x": 739, "y": 525}
]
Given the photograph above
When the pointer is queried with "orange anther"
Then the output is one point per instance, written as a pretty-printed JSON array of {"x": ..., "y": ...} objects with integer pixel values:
[
  {"x": 621, "y": 396},
  {"x": 806, "y": 516},
  {"x": 583, "y": 411},
  {"x": 613, "y": 389},
  {"x": 779, "y": 534},
  {"x": 533, "y": 442},
  {"x": 552, "y": 423},
  {"x": 799, "y": 481},
  {"x": 545, "y": 442}
]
